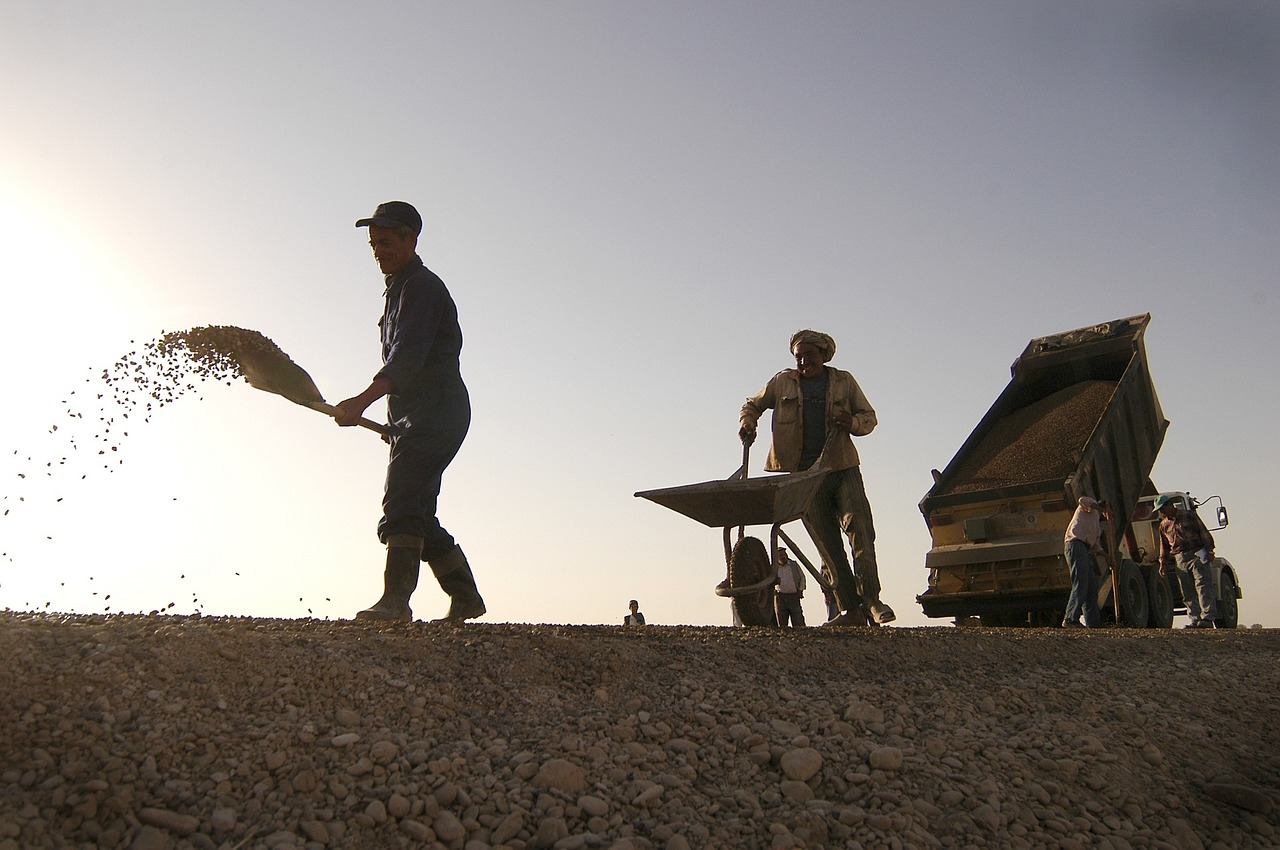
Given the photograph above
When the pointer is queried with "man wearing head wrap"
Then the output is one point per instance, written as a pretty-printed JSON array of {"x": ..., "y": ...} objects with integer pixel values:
[{"x": 817, "y": 410}]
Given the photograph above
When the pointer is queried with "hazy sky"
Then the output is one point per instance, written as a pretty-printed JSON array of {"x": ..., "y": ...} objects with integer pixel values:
[{"x": 634, "y": 206}]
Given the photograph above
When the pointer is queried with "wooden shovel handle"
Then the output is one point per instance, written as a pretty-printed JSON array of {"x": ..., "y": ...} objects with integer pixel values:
[{"x": 362, "y": 422}]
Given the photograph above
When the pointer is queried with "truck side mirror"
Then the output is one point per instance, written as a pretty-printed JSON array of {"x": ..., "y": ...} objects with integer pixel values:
[{"x": 1222, "y": 516}]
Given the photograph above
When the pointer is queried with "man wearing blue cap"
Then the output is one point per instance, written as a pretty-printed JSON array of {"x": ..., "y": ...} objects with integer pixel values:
[{"x": 429, "y": 411}]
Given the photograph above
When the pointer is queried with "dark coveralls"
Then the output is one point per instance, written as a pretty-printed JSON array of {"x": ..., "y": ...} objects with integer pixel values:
[{"x": 430, "y": 410}]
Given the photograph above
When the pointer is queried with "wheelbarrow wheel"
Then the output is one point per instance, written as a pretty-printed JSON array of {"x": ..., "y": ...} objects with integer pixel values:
[{"x": 748, "y": 565}]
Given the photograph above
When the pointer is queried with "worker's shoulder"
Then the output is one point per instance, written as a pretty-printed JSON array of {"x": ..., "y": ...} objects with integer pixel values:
[
  {"x": 841, "y": 378},
  {"x": 423, "y": 281},
  {"x": 421, "y": 274}
]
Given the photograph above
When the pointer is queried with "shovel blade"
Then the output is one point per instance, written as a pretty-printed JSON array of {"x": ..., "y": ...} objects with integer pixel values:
[{"x": 280, "y": 375}]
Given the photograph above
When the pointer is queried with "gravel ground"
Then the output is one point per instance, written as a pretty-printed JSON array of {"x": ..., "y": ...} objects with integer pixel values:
[{"x": 200, "y": 732}]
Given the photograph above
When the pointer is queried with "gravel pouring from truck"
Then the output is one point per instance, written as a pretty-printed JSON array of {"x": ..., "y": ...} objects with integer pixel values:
[{"x": 1079, "y": 417}]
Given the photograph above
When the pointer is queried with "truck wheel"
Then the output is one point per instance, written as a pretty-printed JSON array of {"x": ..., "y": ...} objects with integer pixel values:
[
  {"x": 1159, "y": 599},
  {"x": 1133, "y": 596},
  {"x": 1228, "y": 605},
  {"x": 748, "y": 564}
]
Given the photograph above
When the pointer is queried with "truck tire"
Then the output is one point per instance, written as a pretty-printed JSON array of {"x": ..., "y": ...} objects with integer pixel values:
[
  {"x": 1134, "y": 611},
  {"x": 1228, "y": 605},
  {"x": 748, "y": 564},
  {"x": 1159, "y": 599}
]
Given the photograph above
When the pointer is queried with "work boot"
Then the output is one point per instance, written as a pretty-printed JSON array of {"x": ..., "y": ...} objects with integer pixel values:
[
  {"x": 399, "y": 579},
  {"x": 882, "y": 613},
  {"x": 454, "y": 574}
]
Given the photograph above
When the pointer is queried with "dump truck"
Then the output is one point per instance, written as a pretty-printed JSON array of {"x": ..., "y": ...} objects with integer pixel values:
[{"x": 1079, "y": 417}]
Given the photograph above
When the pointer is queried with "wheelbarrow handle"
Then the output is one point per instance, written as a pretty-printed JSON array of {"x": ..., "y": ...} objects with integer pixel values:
[{"x": 362, "y": 422}]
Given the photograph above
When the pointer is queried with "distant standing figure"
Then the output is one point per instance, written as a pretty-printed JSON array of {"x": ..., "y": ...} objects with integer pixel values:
[
  {"x": 429, "y": 410},
  {"x": 635, "y": 618},
  {"x": 1082, "y": 541},
  {"x": 1187, "y": 545},
  {"x": 790, "y": 584},
  {"x": 817, "y": 410}
]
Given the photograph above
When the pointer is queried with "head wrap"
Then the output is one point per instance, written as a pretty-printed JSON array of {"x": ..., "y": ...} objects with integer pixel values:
[{"x": 817, "y": 339}]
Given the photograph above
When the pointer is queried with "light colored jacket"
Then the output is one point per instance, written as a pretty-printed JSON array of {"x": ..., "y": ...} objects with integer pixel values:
[
  {"x": 782, "y": 395},
  {"x": 797, "y": 577}
]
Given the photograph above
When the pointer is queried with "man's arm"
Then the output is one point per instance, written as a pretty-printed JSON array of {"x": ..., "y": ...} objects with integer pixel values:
[
  {"x": 1205, "y": 536},
  {"x": 864, "y": 417},
  {"x": 350, "y": 410},
  {"x": 749, "y": 415},
  {"x": 420, "y": 309},
  {"x": 852, "y": 411},
  {"x": 1165, "y": 556}
]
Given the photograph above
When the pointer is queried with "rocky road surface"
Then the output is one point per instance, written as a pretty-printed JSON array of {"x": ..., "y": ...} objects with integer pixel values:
[{"x": 156, "y": 732}]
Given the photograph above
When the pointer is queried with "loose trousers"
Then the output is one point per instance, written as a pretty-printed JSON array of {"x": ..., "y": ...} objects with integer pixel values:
[
  {"x": 787, "y": 607},
  {"x": 1085, "y": 584},
  {"x": 419, "y": 457},
  {"x": 841, "y": 507},
  {"x": 1195, "y": 577}
]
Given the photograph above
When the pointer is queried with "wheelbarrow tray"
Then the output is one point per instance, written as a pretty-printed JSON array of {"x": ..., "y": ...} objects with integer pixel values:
[{"x": 742, "y": 501}]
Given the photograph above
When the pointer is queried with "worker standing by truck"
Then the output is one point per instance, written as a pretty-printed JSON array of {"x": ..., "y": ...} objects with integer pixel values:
[
  {"x": 1081, "y": 543},
  {"x": 1187, "y": 545},
  {"x": 817, "y": 410}
]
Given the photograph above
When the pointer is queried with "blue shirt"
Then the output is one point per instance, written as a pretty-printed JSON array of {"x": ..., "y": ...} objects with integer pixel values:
[{"x": 421, "y": 338}]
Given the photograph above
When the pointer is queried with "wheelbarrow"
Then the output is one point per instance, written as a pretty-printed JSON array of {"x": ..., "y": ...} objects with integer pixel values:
[{"x": 737, "y": 502}]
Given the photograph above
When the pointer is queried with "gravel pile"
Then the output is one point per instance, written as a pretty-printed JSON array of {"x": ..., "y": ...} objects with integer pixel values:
[
  {"x": 1039, "y": 442},
  {"x": 151, "y": 732}
]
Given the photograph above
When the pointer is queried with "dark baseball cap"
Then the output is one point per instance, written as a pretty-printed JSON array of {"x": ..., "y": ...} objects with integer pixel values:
[{"x": 394, "y": 214}]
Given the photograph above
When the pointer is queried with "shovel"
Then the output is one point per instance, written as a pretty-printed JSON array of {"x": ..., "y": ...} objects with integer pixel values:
[{"x": 276, "y": 373}]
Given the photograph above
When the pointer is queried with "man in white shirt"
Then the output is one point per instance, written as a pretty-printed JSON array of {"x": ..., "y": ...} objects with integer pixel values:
[
  {"x": 1082, "y": 541},
  {"x": 790, "y": 584},
  {"x": 635, "y": 618}
]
